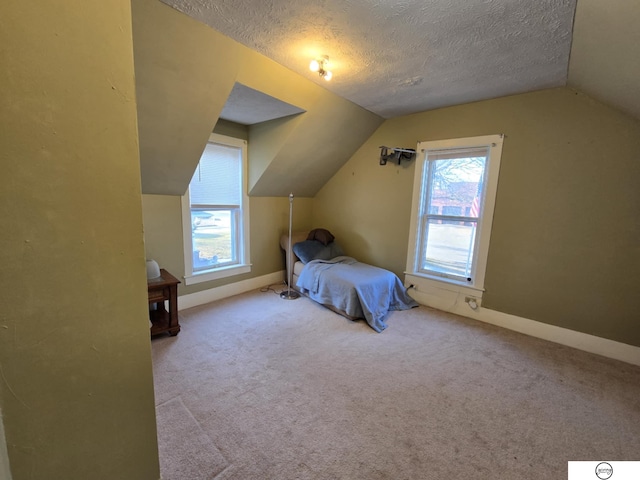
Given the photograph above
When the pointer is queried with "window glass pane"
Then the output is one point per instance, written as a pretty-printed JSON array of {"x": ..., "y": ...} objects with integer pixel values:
[
  {"x": 448, "y": 249},
  {"x": 213, "y": 233},
  {"x": 453, "y": 206},
  {"x": 456, "y": 186}
]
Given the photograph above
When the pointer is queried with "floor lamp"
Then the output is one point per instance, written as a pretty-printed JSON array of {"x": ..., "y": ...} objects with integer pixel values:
[{"x": 289, "y": 294}]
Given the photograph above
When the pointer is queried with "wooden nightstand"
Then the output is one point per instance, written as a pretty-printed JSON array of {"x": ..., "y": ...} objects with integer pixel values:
[{"x": 160, "y": 289}]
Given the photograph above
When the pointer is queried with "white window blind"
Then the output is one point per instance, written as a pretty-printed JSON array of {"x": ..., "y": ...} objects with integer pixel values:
[
  {"x": 217, "y": 180},
  {"x": 215, "y": 213}
]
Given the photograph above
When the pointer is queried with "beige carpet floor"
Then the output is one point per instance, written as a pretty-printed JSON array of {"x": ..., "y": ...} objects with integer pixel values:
[{"x": 256, "y": 387}]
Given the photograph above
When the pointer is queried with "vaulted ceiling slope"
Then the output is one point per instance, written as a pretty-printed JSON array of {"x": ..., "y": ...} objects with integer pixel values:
[
  {"x": 406, "y": 56},
  {"x": 186, "y": 71},
  {"x": 605, "y": 62},
  {"x": 390, "y": 58}
]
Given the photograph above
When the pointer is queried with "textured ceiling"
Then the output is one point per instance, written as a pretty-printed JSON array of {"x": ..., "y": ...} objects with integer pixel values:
[{"x": 406, "y": 56}]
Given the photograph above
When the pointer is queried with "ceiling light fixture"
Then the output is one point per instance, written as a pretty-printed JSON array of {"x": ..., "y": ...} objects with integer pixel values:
[{"x": 321, "y": 66}]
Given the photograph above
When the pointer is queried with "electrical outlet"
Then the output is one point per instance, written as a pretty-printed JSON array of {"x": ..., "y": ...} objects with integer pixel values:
[{"x": 472, "y": 302}]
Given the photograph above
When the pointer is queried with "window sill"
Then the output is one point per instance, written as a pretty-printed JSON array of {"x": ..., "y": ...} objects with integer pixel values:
[{"x": 209, "y": 275}]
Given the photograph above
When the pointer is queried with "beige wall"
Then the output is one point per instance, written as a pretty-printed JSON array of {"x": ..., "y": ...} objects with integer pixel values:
[
  {"x": 564, "y": 246},
  {"x": 76, "y": 391}
]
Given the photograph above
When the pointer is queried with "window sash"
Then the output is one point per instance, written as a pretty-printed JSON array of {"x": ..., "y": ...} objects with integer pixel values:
[
  {"x": 425, "y": 242},
  {"x": 490, "y": 147},
  {"x": 218, "y": 176},
  {"x": 236, "y": 255},
  {"x": 214, "y": 242},
  {"x": 457, "y": 256}
]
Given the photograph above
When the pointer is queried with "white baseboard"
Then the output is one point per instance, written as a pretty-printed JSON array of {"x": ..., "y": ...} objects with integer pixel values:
[
  {"x": 454, "y": 304},
  {"x": 200, "y": 298},
  {"x": 571, "y": 338}
]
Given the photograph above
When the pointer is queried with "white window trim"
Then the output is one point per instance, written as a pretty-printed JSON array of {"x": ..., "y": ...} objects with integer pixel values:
[
  {"x": 436, "y": 285},
  {"x": 244, "y": 265}
]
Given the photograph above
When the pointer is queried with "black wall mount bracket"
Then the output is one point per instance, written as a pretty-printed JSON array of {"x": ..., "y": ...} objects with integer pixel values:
[{"x": 396, "y": 154}]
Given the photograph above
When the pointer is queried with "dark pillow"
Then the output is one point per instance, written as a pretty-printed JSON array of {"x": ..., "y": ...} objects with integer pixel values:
[
  {"x": 334, "y": 250},
  {"x": 314, "y": 250},
  {"x": 322, "y": 235},
  {"x": 307, "y": 250}
]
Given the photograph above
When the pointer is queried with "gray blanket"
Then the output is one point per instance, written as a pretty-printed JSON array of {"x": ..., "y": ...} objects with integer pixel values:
[{"x": 358, "y": 289}]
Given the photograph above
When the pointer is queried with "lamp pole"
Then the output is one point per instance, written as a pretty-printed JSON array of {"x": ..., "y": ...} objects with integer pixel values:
[{"x": 290, "y": 294}]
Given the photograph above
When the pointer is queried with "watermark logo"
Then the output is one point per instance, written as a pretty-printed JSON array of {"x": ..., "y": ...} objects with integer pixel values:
[
  {"x": 604, "y": 470},
  {"x": 596, "y": 469}
]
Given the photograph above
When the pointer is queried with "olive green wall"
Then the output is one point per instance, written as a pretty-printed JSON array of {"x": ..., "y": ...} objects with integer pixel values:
[
  {"x": 231, "y": 129},
  {"x": 185, "y": 72},
  {"x": 5, "y": 472},
  {"x": 76, "y": 392},
  {"x": 269, "y": 220},
  {"x": 564, "y": 247}
]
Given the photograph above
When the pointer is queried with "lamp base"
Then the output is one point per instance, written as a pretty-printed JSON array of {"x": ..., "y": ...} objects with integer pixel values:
[{"x": 289, "y": 295}]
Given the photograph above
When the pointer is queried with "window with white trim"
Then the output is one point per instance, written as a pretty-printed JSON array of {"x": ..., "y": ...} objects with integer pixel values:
[
  {"x": 452, "y": 211},
  {"x": 215, "y": 213}
]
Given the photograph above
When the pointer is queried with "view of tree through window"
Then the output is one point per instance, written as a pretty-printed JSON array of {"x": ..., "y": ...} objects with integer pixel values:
[
  {"x": 452, "y": 207},
  {"x": 454, "y": 195}
]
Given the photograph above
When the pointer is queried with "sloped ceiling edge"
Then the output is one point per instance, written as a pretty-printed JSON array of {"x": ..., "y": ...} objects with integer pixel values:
[
  {"x": 602, "y": 64},
  {"x": 181, "y": 92},
  {"x": 324, "y": 139}
]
